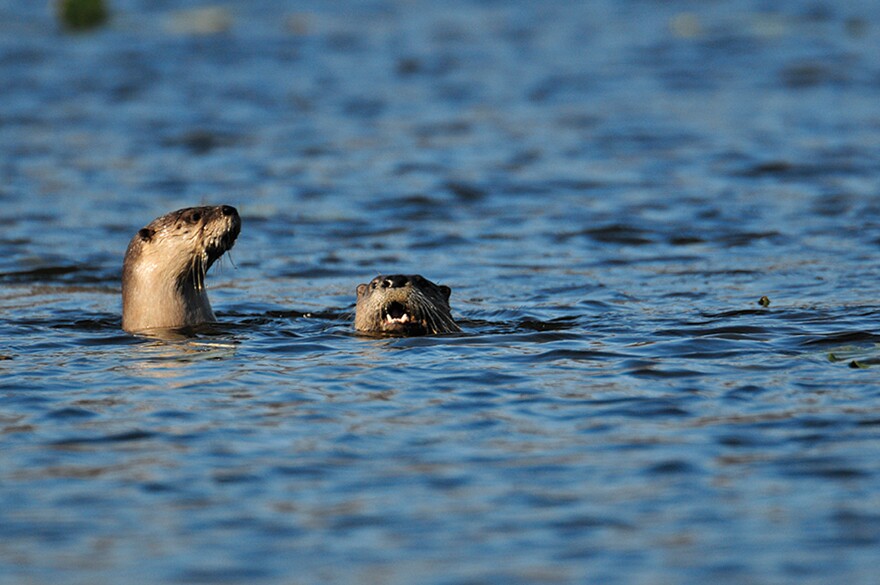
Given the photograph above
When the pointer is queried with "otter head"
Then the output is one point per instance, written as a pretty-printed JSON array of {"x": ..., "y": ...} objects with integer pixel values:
[
  {"x": 401, "y": 304},
  {"x": 163, "y": 276}
]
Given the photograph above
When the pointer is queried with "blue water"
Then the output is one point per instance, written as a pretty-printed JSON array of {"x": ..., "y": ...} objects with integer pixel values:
[{"x": 608, "y": 187}]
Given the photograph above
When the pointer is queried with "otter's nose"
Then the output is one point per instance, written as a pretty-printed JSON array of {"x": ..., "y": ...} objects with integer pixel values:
[
  {"x": 396, "y": 281},
  {"x": 228, "y": 210}
]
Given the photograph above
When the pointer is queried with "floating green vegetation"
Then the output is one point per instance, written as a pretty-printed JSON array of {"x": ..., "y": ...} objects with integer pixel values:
[
  {"x": 764, "y": 301},
  {"x": 858, "y": 357},
  {"x": 79, "y": 15}
]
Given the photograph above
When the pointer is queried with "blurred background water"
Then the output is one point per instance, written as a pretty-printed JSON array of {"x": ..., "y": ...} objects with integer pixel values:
[{"x": 609, "y": 187}]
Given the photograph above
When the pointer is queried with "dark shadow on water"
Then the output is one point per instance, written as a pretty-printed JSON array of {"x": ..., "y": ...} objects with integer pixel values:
[
  {"x": 89, "y": 325},
  {"x": 841, "y": 338},
  {"x": 71, "y": 274},
  {"x": 126, "y": 437}
]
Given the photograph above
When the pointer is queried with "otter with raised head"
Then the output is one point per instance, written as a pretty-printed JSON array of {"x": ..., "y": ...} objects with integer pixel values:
[
  {"x": 163, "y": 276},
  {"x": 401, "y": 304}
]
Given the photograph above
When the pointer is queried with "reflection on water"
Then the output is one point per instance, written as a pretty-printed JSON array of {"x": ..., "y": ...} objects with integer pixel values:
[{"x": 608, "y": 188}]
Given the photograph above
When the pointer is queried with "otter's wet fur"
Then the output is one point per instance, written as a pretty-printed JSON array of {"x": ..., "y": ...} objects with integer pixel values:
[
  {"x": 163, "y": 276},
  {"x": 402, "y": 305}
]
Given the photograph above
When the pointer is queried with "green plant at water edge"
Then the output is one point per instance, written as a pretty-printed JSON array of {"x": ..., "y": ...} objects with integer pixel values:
[{"x": 81, "y": 14}]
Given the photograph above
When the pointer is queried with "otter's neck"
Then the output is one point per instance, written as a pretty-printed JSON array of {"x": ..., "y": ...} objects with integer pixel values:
[{"x": 154, "y": 299}]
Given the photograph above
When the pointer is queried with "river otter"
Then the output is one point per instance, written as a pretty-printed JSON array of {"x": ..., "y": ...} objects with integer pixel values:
[
  {"x": 401, "y": 304},
  {"x": 163, "y": 276}
]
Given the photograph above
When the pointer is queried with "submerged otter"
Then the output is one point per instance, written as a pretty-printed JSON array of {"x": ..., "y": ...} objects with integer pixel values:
[
  {"x": 402, "y": 304},
  {"x": 163, "y": 276}
]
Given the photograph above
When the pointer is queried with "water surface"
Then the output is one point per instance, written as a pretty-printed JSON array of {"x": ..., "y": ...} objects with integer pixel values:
[{"x": 608, "y": 187}]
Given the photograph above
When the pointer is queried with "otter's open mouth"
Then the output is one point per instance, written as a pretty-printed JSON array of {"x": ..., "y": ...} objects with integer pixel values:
[
  {"x": 396, "y": 313},
  {"x": 397, "y": 318}
]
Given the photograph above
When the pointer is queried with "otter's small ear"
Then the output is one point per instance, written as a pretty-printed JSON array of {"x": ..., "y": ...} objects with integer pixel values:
[
  {"x": 146, "y": 234},
  {"x": 445, "y": 290},
  {"x": 361, "y": 289}
]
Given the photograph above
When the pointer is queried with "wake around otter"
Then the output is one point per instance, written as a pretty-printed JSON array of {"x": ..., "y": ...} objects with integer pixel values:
[
  {"x": 163, "y": 276},
  {"x": 401, "y": 305}
]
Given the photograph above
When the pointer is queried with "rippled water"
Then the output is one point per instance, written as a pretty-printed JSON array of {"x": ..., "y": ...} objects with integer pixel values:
[{"x": 608, "y": 187}]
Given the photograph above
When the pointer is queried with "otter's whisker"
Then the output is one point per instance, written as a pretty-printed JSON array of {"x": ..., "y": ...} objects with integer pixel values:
[
  {"x": 199, "y": 271},
  {"x": 439, "y": 320},
  {"x": 194, "y": 273},
  {"x": 426, "y": 313}
]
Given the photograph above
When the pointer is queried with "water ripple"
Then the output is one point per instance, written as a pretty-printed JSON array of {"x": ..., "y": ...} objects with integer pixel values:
[{"x": 658, "y": 225}]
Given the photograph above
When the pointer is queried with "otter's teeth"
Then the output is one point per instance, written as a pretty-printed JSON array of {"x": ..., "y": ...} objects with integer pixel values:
[{"x": 402, "y": 319}]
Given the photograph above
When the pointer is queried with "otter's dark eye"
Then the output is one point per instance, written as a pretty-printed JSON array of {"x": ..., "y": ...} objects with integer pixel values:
[{"x": 195, "y": 217}]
